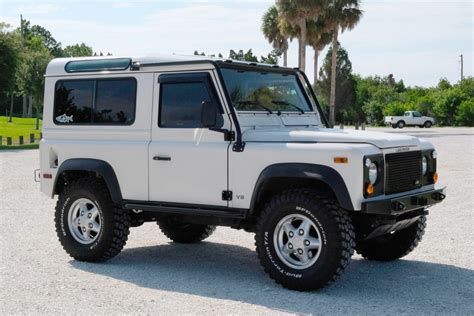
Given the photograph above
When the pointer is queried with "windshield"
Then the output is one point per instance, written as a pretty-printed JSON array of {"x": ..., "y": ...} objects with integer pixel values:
[{"x": 269, "y": 92}]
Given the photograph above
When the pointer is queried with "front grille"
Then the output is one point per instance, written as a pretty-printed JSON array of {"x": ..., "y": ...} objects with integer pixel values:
[{"x": 403, "y": 171}]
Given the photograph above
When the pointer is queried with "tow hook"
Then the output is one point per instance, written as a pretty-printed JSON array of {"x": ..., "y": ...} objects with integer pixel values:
[
  {"x": 438, "y": 196},
  {"x": 398, "y": 206}
]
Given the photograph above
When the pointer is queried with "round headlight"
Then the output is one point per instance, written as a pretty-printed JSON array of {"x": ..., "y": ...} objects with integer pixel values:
[
  {"x": 434, "y": 154},
  {"x": 424, "y": 165},
  {"x": 373, "y": 173}
]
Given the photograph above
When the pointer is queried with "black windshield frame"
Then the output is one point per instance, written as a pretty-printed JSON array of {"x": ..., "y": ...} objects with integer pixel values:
[{"x": 268, "y": 69}]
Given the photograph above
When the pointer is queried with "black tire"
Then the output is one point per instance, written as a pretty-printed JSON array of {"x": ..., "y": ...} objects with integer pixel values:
[
  {"x": 394, "y": 125},
  {"x": 337, "y": 239},
  {"x": 401, "y": 124},
  {"x": 185, "y": 233},
  {"x": 393, "y": 246},
  {"x": 115, "y": 222},
  {"x": 428, "y": 124}
]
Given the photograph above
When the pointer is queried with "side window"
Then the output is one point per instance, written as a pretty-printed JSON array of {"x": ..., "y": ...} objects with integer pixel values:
[
  {"x": 73, "y": 101},
  {"x": 181, "y": 100},
  {"x": 115, "y": 102},
  {"x": 95, "y": 102},
  {"x": 407, "y": 114},
  {"x": 416, "y": 114}
]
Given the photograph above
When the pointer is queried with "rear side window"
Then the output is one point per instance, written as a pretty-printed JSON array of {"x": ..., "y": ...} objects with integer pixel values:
[{"x": 97, "y": 102}]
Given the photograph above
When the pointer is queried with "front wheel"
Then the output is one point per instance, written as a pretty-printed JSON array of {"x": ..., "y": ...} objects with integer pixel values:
[
  {"x": 89, "y": 227},
  {"x": 304, "y": 239},
  {"x": 394, "y": 125},
  {"x": 393, "y": 246}
]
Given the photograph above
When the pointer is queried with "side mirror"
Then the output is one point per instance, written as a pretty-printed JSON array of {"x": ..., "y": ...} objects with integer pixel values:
[{"x": 208, "y": 114}]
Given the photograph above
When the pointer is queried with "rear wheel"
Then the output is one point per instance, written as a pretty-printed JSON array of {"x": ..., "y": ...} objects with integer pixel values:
[
  {"x": 428, "y": 124},
  {"x": 394, "y": 125},
  {"x": 393, "y": 246},
  {"x": 185, "y": 233},
  {"x": 304, "y": 239},
  {"x": 401, "y": 124},
  {"x": 88, "y": 225}
]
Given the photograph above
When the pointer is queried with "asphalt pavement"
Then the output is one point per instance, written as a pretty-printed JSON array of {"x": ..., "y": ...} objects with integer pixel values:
[{"x": 222, "y": 275}]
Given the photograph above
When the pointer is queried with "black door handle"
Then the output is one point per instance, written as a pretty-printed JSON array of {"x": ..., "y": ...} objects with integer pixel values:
[{"x": 162, "y": 158}]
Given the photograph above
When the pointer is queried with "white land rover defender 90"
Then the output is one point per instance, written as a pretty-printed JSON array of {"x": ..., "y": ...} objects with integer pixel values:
[{"x": 193, "y": 143}]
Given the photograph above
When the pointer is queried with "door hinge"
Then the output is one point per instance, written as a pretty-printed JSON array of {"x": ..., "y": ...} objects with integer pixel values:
[
  {"x": 227, "y": 195},
  {"x": 229, "y": 136}
]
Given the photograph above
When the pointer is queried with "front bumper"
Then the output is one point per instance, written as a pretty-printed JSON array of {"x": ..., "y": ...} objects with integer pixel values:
[{"x": 405, "y": 203}]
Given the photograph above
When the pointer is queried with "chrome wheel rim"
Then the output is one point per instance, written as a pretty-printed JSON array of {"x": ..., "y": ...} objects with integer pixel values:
[
  {"x": 297, "y": 241},
  {"x": 84, "y": 221}
]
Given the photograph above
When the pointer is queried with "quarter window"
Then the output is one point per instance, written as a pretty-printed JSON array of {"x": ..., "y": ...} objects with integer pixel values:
[{"x": 98, "y": 102}]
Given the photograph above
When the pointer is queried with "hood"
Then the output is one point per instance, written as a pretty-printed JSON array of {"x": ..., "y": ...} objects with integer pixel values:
[{"x": 329, "y": 135}]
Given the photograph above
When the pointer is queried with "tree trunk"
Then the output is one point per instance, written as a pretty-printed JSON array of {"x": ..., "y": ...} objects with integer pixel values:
[
  {"x": 302, "y": 45},
  {"x": 11, "y": 108},
  {"x": 37, "y": 115},
  {"x": 285, "y": 57},
  {"x": 30, "y": 106},
  {"x": 316, "y": 55},
  {"x": 332, "y": 96},
  {"x": 23, "y": 111}
]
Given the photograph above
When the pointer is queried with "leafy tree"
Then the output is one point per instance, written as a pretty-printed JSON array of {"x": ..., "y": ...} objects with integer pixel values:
[
  {"x": 465, "y": 113},
  {"x": 346, "y": 85},
  {"x": 31, "y": 72},
  {"x": 77, "y": 50},
  {"x": 273, "y": 33},
  {"x": 340, "y": 15},
  {"x": 9, "y": 62},
  {"x": 296, "y": 14},
  {"x": 37, "y": 31},
  {"x": 240, "y": 55}
]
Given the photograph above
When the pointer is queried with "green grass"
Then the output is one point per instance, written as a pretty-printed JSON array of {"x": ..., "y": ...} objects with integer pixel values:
[{"x": 18, "y": 127}]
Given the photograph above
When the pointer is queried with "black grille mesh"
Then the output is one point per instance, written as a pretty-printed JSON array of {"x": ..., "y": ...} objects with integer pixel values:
[{"x": 403, "y": 171}]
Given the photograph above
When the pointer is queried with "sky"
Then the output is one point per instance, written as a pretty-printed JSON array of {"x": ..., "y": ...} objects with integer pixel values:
[{"x": 417, "y": 41}]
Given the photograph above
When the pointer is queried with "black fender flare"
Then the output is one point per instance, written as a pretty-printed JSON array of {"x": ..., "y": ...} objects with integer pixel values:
[
  {"x": 97, "y": 166},
  {"x": 322, "y": 173}
]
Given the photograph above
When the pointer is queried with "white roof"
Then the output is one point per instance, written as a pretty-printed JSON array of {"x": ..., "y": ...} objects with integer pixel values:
[{"x": 57, "y": 66}]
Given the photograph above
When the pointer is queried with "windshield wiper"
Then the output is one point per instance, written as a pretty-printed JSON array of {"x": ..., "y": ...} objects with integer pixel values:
[
  {"x": 282, "y": 102},
  {"x": 250, "y": 102}
]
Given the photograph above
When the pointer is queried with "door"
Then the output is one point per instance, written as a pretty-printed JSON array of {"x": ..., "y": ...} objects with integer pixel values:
[
  {"x": 417, "y": 119},
  {"x": 188, "y": 154}
]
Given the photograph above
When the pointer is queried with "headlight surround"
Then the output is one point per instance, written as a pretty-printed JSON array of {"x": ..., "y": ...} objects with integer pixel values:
[
  {"x": 373, "y": 172},
  {"x": 424, "y": 165},
  {"x": 428, "y": 165},
  {"x": 373, "y": 166}
]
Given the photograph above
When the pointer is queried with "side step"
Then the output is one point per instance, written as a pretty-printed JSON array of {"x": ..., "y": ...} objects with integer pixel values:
[{"x": 187, "y": 209}]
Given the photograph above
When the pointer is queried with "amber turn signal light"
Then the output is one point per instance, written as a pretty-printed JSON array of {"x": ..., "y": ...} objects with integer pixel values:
[
  {"x": 341, "y": 159},
  {"x": 435, "y": 177},
  {"x": 369, "y": 189}
]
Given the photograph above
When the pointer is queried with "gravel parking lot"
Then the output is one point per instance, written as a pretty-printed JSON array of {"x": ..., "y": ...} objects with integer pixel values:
[{"x": 223, "y": 275}]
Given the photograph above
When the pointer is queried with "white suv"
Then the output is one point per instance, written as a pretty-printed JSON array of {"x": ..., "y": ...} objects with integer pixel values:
[{"x": 193, "y": 143}]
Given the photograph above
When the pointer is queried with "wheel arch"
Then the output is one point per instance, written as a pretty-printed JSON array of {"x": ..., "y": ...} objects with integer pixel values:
[
  {"x": 79, "y": 167},
  {"x": 286, "y": 175}
]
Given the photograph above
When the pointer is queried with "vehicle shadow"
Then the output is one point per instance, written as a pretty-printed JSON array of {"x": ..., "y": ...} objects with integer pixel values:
[{"x": 233, "y": 273}]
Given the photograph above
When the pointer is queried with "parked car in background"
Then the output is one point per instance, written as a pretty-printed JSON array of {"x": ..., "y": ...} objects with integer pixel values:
[{"x": 410, "y": 118}]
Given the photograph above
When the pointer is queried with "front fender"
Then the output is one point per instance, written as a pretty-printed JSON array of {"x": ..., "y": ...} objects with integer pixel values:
[{"x": 321, "y": 173}]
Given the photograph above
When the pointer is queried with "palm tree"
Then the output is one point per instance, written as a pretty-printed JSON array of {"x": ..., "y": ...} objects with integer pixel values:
[
  {"x": 341, "y": 15},
  {"x": 272, "y": 32},
  {"x": 296, "y": 13},
  {"x": 318, "y": 38}
]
